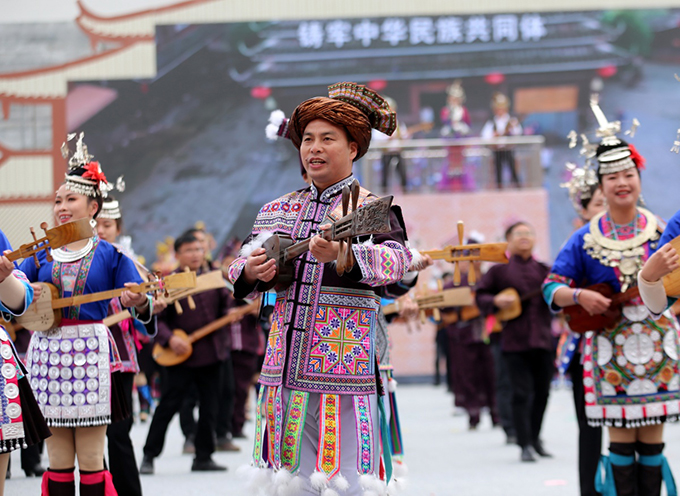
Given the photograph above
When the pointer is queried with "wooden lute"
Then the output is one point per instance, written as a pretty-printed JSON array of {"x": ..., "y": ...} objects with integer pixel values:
[
  {"x": 166, "y": 357},
  {"x": 453, "y": 297},
  {"x": 488, "y": 252},
  {"x": 205, "y": 282},
  {"x": 54, "y": 238},
  {"x": 372, "y": 218},
  {"x": 45, "y": 312},
  {"x": 580, "y": 321}
]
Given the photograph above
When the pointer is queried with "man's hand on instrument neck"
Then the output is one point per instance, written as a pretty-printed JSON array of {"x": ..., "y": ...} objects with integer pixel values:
[
  {"x": 258, "y": 268},
  {"x": 324, "y": 251}
]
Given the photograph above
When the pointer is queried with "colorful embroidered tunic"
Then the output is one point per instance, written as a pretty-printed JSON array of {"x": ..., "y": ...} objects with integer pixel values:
[
  {"x": 11, "y": 372},
  {"x": 323, "y": 329},
  {"x": 631, "y": 374},
  {"x": 70, "y": 366},
  {"x": 322, "y": 338}
]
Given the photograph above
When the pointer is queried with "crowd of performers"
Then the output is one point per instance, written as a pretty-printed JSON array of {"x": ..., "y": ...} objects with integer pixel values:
[{"x": 326, "y": 418}]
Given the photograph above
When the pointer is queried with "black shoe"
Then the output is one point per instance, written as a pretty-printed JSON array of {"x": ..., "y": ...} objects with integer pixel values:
[
  {"x": 538, "y": 448},
  {"x": 146, "y": 468},
  {"x": 527, "y": 454},
  {"x": 35, "y": 471},
  {"x": 208, "y": 465}
]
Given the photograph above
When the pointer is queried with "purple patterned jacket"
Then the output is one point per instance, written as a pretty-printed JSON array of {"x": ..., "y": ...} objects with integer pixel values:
[{"x": 322, "y": 337}]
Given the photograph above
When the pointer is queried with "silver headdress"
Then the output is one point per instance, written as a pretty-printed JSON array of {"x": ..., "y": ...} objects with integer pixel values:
[
  {"x": 85, "y": 176},
  {"x": 110, "y": 210},
  {"x": 613, "y": 154}
]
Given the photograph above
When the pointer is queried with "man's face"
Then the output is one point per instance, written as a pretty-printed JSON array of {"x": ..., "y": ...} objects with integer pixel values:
[
  {"x": 521, "y": 239},
  {"x": 190, "y": 255},
  {"x": 326, "y": 153}
]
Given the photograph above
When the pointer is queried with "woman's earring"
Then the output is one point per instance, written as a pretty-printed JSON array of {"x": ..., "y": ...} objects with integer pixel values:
[{"x": 93, "y": 223}]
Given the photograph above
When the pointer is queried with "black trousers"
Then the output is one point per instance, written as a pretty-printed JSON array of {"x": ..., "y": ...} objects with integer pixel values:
[
  {"x": 245, "y": 366},
  {"x": 505, "y": 157},
  {"x": 589, "y": 438},
  {"x": 531, "y": 373},
  {"x": 503, "y": 388},
  {"x": 122, "y": 464},
  {"x": 225, "y": 406},
  {"x": 180, "y": 380}
]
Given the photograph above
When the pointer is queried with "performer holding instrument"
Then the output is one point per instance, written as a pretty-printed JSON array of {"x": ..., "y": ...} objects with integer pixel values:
[
  {"x": 200, "y": 366},
  {"x": 630, "y": 364},
  {"x": 526, "y": 341},
  {"x": 318, "y": 409},
  {"x": 73, "y": 363},
  {"x": 22, "y": 424}
]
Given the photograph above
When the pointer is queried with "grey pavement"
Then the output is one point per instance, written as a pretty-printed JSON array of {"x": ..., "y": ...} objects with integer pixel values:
[{"x": 443, "y": 457}]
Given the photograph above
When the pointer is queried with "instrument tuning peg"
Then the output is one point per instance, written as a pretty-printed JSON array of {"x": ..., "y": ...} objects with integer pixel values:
[
  {"x": 178, "y": 308},
  {"x": 423, "y": 318},
  {"x": 461, "y": 229},
  {"x": 35, "y": 256},
  {"x": 456, "y": 274},
  {"x": 440, "y": 285},
  {"x": 436, "y": 314},
  {"x": 472, "y": 275},
  {"x": 192, "y": 303}
]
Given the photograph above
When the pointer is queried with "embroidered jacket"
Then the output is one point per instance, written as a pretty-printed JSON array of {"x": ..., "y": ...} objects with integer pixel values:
[{"x": 322, "y": 337}]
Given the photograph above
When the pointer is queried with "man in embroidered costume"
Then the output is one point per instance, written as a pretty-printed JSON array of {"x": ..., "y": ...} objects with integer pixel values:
[
  {"x": 631, "y": 376},
  {"x": 319, "y": 371}
]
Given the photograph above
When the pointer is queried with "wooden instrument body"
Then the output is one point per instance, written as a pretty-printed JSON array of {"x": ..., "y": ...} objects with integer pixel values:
[
  {"x": 45, "y": 312},
  {"x": 40, "y": 316},
  {"x": 514, "y": 310},
  {"x": 671, "y": 282},
  {"x": 275, "y": 247},
  {"x": 166, "y": 356},
  {"x": 580, "y": 321}
]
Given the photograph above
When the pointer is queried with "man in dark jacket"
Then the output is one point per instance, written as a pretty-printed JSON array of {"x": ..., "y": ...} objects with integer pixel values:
[
  {"x": 526, "y": 341},
  {"x": 200, "y": 372}
]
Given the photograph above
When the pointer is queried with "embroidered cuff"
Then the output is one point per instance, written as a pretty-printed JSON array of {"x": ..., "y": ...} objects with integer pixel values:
[
  {"x": 7, "y": 313},
  {"x": 384, "y": 263}
]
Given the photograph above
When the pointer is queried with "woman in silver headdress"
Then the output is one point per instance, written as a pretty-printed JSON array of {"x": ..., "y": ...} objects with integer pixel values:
[{"x": 631, "y": 377}]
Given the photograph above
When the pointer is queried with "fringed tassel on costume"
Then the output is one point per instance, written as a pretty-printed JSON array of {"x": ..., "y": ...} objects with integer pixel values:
[{"x": 58, "y": 482}]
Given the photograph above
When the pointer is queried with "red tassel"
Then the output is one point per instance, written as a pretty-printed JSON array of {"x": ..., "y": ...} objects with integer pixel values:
[{"x": 638, "y": 159}]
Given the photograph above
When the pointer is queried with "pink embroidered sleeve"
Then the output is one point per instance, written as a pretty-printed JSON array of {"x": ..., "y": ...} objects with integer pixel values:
[
  {"x": 234, "y": 272},
  {"x": 384, "y": 263}
]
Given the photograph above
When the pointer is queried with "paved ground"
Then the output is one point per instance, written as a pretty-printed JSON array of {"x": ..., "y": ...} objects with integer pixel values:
[{"x": 443, "y": 457}]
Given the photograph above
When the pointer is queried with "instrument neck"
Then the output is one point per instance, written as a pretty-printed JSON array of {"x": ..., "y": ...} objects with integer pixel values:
[
  {"x": 297, "y": 249},
  {"x": 222, "y": 321},
  {"x": 73, "y": 301}
]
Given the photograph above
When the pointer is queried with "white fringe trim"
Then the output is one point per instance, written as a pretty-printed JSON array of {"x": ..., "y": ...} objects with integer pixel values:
[
  {"x": 417, "y": 261},
  {"x": 392, "y": 385},
  {"x": 255, "y": 243},
  {"x": 276, "y": 118}
]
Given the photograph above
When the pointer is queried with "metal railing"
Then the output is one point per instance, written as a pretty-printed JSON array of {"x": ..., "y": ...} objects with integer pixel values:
[{"x": 462, "y": 164}]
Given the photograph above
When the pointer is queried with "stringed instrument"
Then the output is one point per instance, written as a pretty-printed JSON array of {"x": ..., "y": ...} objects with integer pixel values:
[
  {"x": 372, "y": 218},
  {"x": 488, "y": 252},
  {"x": 580, "y": 321},
  {"x": 166, "y": 357},
  {"x": 54, "y": 238},
  {"x": 454, "y": 297},
  {"x": 45, "y": 312},
  {"x": 205, "y": 282}
]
